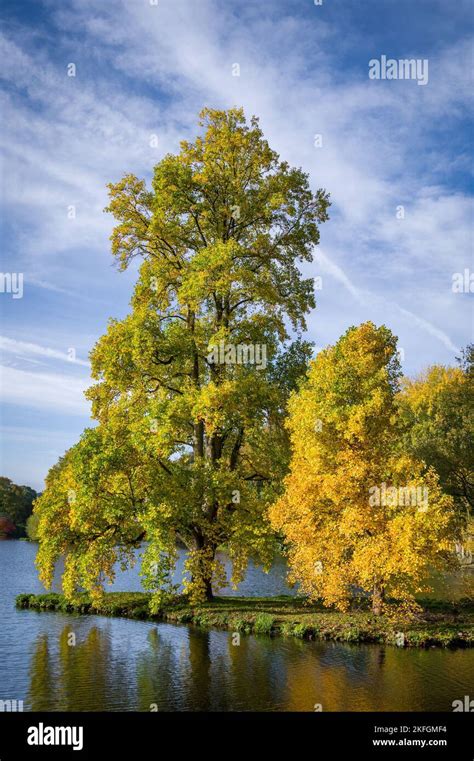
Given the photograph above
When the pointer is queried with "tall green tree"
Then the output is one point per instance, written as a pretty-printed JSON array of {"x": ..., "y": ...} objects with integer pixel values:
[{"x": 192, "y": 385}]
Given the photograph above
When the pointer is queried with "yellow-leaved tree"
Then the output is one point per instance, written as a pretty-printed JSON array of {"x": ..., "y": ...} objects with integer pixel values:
[{"x": 358, "y": 513}]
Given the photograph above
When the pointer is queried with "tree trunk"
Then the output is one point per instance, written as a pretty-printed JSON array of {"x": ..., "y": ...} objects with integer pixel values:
[
  {"x": 377, "y": 599},
  {"x": 206, "y": 578},
  {"x": 209, "y": 592},
  {"x": 203, "y": 577}
]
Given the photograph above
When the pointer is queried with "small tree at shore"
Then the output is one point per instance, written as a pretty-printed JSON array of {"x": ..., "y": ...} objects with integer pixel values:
[
  {"x": 357, "y": 512},
  {"x": 192, "y": 385}
]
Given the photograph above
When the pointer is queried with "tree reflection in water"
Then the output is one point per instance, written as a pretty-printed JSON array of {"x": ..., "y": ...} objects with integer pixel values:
[{"x": 124, "y": 665}]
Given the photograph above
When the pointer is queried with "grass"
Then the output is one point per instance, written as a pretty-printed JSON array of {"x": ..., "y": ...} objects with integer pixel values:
[{"x": 440, "y": 623}]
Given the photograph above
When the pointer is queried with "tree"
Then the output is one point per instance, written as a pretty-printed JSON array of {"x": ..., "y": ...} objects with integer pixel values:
[
  {"x": 7, "y": 528},
  {"x": 191, "y": 387},
  {"x": 438, "y": 407},
  {"x": 32, "y": 527},
  {"x": 89, "y": 510},
  {"x": 466, "y": 360},
  {"x": 438, "y": 410},
  {"x": 16, "y": 504},
  {"x": 357, "y": 512}
]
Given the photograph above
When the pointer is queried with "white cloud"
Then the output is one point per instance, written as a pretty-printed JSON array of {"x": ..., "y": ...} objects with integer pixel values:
[
  {"x": 431, "y": 329},
  {"x": 338, "y": 273},
  {"x": 145, "y": 69},
  {"x": 43, "y": 391},
  {"x": 24, "y": 349}
]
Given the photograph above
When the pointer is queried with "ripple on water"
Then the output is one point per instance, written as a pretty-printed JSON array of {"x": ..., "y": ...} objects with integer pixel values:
[{"x": 118, "y": 664}]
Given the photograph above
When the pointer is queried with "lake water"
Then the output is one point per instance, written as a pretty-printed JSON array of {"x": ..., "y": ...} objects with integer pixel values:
[{"x": 122, "y": 665}]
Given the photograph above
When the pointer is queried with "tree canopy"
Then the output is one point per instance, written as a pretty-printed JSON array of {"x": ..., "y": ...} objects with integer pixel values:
[
  {"x": 359, "y": 512},
  {"x": 367, "y": 481},
  {"x": 191, "y": 387},
  {"x": 439, "y": 406},
  {"x": 16, "y": 505}
]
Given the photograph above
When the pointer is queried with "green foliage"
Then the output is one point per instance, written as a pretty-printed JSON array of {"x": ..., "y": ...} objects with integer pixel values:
[
  {"x": 32, "y": 527},
  {"x": 263, "y": 623},
  {"x": 438, "y": 408},
  {"x": 437, "y": 624},
  {"x": 240, "y": 625},
  {"x": 188, "y": 448},
  {"x": 299, "y": 630},
  {"x": 16, "y": 504}
]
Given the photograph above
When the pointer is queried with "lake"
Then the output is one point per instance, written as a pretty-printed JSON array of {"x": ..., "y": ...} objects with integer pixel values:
[{"x": 123, "y": 665}]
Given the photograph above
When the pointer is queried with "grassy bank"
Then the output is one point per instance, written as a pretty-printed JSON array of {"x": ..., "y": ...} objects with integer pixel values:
[{"x": 440, "y": 624}]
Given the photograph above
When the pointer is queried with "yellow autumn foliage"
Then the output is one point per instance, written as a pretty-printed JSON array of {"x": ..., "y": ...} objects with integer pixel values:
[{"x": 358, "y": 514}]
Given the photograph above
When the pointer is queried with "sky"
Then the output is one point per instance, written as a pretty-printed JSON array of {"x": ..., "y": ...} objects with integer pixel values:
[{"x": 394, "y": 153}]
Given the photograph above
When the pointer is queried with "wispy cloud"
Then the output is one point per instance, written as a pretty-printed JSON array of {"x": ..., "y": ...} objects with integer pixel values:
[
  {"x": 338, "y": 273},
  {"x": 24, "y": 349},
  {"x": 146, "y": 70},
  {"x": 431, "y": 329},
  {"x": 50, "y": 391}
]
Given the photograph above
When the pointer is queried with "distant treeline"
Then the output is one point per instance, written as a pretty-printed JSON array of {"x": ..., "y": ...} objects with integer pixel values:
[{"x": 16, "y": 507}]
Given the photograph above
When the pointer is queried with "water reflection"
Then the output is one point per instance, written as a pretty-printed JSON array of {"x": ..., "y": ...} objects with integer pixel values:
[
  {"x": 68, "y": 677},
  {"x": 125, "y": 665},
  {"x": 41, "y": 676}
]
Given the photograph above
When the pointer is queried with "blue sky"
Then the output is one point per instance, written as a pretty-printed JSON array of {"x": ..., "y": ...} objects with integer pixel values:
[{"x": 143, "y": 70}]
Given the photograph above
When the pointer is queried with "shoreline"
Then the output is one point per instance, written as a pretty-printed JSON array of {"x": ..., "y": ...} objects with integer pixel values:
[{"x": 442, "y": 624}]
